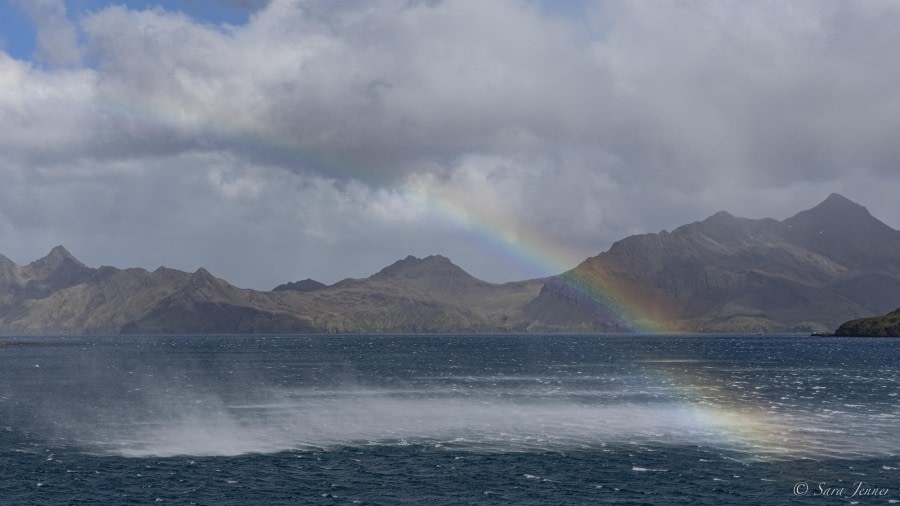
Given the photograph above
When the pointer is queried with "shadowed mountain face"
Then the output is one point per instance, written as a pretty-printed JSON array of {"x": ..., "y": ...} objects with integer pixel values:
[{"x": 810, "y": 272}]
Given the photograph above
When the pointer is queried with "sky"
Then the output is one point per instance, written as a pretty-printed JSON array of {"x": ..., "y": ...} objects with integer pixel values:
[{"x": 272, "y": 141}]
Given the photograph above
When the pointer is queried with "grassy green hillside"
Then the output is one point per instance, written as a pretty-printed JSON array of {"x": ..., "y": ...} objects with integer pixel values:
[{"x": 877, "y": 326}]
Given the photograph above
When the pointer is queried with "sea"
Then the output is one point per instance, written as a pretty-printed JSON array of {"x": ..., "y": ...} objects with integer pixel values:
[{"x": 450, "y": 419}]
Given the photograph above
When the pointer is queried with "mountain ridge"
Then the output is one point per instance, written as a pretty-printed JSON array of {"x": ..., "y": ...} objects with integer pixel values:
[{"x": 809, "y": 272}]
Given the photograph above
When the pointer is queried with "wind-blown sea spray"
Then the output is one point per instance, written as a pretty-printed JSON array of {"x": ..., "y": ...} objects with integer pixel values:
[{"x": 221, "y": 395}]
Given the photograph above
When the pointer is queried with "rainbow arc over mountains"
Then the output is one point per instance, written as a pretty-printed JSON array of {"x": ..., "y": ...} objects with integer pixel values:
[{"x": 505, "y": 236}]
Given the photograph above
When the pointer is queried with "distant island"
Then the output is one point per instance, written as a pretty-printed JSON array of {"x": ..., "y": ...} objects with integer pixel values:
[
  {"x": 876, "y": 326},
  {"x": 807, "y": 273}
]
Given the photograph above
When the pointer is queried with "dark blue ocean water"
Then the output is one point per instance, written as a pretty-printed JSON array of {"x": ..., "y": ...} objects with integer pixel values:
[{"x": 449, "y": 420}]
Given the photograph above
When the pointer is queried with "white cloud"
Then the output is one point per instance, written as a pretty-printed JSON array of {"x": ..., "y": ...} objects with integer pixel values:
[
  {"x": 57, "y": 38},
  {"x": 330, "y": 138}
]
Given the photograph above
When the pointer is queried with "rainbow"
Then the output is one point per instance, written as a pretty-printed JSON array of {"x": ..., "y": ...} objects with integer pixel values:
[
  {"x": 719, "y": 412},
  {"x": 495, "y": 229},
  {"x": 712, "y": 408}
]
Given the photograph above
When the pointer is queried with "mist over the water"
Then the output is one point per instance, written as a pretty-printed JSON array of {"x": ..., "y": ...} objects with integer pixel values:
[{"x": 141, "y": 397}]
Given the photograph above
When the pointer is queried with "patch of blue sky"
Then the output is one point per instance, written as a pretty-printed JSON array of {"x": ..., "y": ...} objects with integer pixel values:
[{"x": 17, "y": 31}]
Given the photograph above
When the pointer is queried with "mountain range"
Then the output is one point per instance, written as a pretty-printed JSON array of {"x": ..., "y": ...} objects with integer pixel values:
[{"x": 810, "y": 272}]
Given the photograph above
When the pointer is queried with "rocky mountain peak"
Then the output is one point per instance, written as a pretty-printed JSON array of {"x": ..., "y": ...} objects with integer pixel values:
[
  {"x": 435, "y": 275},
  {"x": 721, "y": 216},
  {"x": 59, "y": 269},
  {"x": 838, "y": 204},
  {"x": 838, "y": 200},
  {"x": 306, "y": 285},
  {"x": 836, "y": 211},
  {"x": 202, "y": 278},
  {"x": 722, "y": 226},
  {"x": 60, "y": 251},
  {"x": 58, "y": 256},
  {"x": 840, "y": 220},
  {"x": 59, "y": 263},
  {"x": 412, "y": 267}
]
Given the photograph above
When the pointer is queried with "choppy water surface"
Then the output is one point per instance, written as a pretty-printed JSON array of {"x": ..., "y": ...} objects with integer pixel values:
[{"x": 449, "y": 419}]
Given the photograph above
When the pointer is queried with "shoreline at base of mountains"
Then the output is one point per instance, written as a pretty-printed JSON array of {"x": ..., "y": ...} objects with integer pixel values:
[{"x": 887, "y": 325}]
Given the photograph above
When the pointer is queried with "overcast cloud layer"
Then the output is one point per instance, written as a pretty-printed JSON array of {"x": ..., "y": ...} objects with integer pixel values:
[{"x": 328, "y": 139}]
